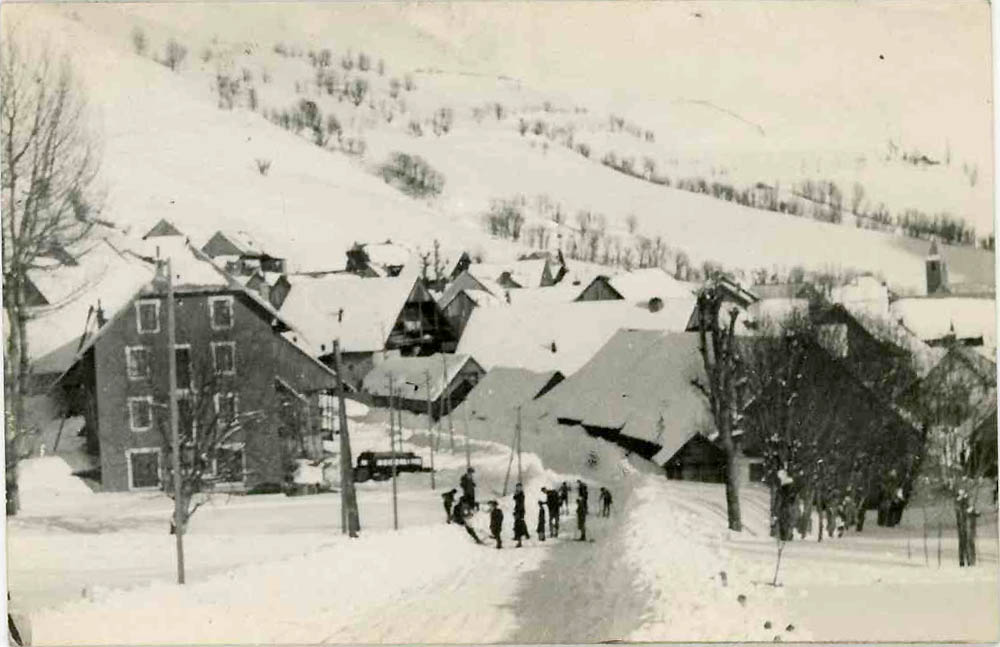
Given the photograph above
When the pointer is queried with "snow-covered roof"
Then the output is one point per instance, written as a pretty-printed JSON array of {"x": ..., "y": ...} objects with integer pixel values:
[
  {"x": 642, "y": 285},
  {"x": 485, "y": 299},
  {"x": 411, "y": 375},
  {"x": 524, "y": 336},
  {"x": 526, "y": 273},
  {"x": 106, "y": 274},
  {"x": 359, "y": 311},
  {"x": 558, "y": 293},
  {"x": 501, "y": 391},
  {"x": 387, "y": 254},
  {"x": 932, "y": 318},
  {"x": 639, "y": 382}
]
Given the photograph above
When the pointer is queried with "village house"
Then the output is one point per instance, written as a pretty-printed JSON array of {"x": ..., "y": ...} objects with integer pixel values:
[
  {"x": 230, "y": 351},
  {"x": 372, "y": 318},
  {"x": 245, "y": 258},
  {"x": 373, "y": 260},
  {"x": 949, "y": 312},
  {"x": 556, "y": 336},
  {"x": 649, "y": 287},
  {"x": 636, "y": 392},
  {"x": 439, "y": 381},
  {"x": 459, "y": 308}
]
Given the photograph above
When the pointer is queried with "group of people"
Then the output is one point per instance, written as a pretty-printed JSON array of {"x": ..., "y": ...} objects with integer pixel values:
[{"x": 553, "y": 504}]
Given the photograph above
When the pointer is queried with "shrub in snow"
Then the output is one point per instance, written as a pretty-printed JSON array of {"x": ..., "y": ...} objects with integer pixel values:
[
  {"x": 263, "y": 165},
  {"x": 356, "y": 91},
  {"x": 412, "y": 175},
  {"x": 139, "y": 41},
  {"x": 174, "y": 54}
]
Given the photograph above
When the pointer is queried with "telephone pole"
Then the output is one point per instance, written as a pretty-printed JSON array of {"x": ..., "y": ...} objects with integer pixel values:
[
  {"x": 392, "y": 449},
  {"x": 446, "y": 401},
  {"x": 430, "y": 425},
  {"x": 519, "y": 445},
  {"x": 350, "y": 519},
  {"x": 175, "y": 440},
  {"x": 468, "y": 435}
]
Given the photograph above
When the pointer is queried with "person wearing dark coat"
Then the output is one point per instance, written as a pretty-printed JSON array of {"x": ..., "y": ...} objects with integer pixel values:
[
  {"x": 581, "y": 495},
  {"x": 468, "y": 485},
  {"x": 496, "y": 522},
  {"x": 605, "y": 502},
  {"x": 564, "y": 497},
  {"x": 458, "y": 517},
  {"x": 520, "y": 527},
  {"x": 552, "y": 501},
  {"x": 449, "y": 503},
  {"x": 540, "y": 528},
  {"x": 581, "y": 519}
]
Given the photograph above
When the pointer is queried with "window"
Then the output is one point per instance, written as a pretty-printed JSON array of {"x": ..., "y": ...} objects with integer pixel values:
[
  {"x": 221, "y": 311},
  {"x": 230, "y": 463},
  {"x": 186, "y": 418},
  {"x": 226, "y": 407},
  {"x": 137, "y": 362},
  {"x": 140, "y": 413},
  {"x": 143, "y": 468},
  {"x": 327, "y": 411},
  {"x": 183, "y": 356},
  {"x": 147, "y": 316},
  {"x": 224, "y": 357}
]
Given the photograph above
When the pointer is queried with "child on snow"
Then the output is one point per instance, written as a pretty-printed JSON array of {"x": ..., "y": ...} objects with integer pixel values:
[
  {"x": 496, "y": 522},
  {"x": 449, "y": 503},
  {"x": 541, "y": 521},
  {"x": 458, "y": 517}
]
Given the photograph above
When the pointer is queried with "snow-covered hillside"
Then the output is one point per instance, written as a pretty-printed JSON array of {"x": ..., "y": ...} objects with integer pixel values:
[{"x": 170, "y": 151}]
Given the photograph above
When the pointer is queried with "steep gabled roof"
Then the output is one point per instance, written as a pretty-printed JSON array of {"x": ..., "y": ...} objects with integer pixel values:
[
  {"x": 639, "y": 383},
  {"x": 162, "y": 228},
  {"x": 234, "y": 243},
  {"x": 359, "y": 311},
  {"x": 936, "y": 318},
  {"x": 411, "y": 375},
  {"x": 524, "y": 336},
  {"x": 499, "y": 393},
  {"x": 642, "y": 285}
]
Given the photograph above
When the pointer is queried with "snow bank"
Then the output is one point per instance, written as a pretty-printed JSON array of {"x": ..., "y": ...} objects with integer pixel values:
[
  {"x": 677, "y": 549},
  {"x": 386, "y": 587},
  {"x": 48, "y": 480}
]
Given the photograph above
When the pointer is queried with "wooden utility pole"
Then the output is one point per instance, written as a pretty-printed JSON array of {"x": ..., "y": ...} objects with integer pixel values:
[
  {"x": 392, "y": 449},
  {"x": 430, "y": 425},
  {"x": 518, "y": 431},
  {"x": 350, "y": 518},
  {"x": 510, "y": 462},
  {"x": 468, "y": 435},
  {"x": 175, "y": 440},
  {"x": 446, "y": 401}
]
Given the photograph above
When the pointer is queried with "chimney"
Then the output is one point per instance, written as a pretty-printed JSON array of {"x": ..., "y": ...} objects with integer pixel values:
[{"x": 101, "y": 319}]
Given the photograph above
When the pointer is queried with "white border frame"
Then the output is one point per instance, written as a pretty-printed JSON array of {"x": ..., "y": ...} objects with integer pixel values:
[
  {"x": 236, "y": 406},
  {"x": 215, "y": 363},
  {"x": 148, "y": 399},
  {"x": 159, "y": 468},
  {"x": 228, "y": 298},
  {"x": 138, "y": 315}
]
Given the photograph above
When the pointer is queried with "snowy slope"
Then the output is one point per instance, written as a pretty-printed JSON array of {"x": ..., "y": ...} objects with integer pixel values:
[{"x": 170, "y": 152}]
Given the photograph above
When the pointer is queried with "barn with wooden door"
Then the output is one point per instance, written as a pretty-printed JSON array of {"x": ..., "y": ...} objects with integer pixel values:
[{"x": 445, "y": 379}]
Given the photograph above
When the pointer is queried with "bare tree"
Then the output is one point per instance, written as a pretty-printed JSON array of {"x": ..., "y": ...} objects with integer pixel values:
[
  {"x": 174, "y": 54},
  {"x": 139, "y": 41},
  {"x": 50, "y": 201},
  {"x": 720, "y": 356}
]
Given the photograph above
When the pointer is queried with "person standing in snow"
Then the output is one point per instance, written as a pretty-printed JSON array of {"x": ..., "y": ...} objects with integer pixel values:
[
  {"x": 468, "y": 486},
  {"x": 581, "y": 494},
  {"x": 496, "y": 522},
  {"x": 540, "y": 528},
  {"x": 520, "y": 527},
  {"x": 449, "y": 503},
  {"x": 605, "y": 502},
  {"x": 458, "y": 517},
  {"x": 581, "y": 519},
  {"x": 564, "y": 496},
  {"x": 552, "y": 501}
]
